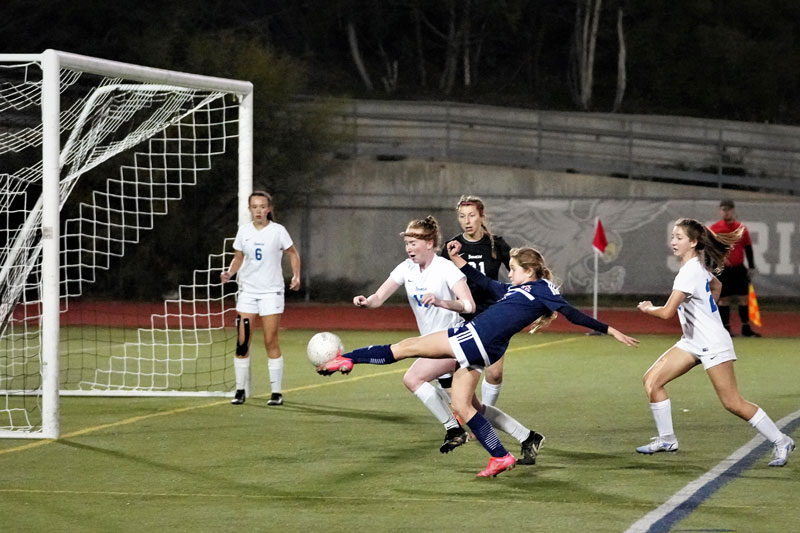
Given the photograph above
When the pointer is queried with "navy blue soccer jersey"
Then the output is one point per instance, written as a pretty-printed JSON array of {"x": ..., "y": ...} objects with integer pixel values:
[
  {"x": 518, "y": 306},
  {"x": 478, "y": 254}
]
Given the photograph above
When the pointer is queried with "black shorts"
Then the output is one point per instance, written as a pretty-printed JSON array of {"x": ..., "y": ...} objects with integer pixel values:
[{"x": 734, "y": 281}]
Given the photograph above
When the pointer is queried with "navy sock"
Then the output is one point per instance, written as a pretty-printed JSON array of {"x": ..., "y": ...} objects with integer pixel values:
[
  {"x": 485, "y": 434},
  {"x": 379, "y": 354}
]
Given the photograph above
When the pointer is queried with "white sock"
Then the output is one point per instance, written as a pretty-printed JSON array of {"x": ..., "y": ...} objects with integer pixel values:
[
  {"x": 504, "y": 422},
  {"x": 430, "y": 398},
  {"x": 489, "y": 392},
  {"x": 241, "y": 369},
  {"x": 275, "y": 373},
  {"x": 764, "y": 425},
  {"x": 662, "y": 414}
]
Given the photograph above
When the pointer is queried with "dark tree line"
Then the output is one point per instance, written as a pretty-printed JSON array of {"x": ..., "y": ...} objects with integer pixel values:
[{"x": 708, "y": 58}]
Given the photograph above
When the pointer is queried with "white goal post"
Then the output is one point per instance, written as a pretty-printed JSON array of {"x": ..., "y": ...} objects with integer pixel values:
[{"x": 64, "y": 116}]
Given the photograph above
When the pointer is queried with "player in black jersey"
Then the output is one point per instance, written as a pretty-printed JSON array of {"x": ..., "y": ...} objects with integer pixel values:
[{"x": 486, "y": 253}]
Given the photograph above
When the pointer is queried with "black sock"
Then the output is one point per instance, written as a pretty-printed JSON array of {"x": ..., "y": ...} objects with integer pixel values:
[
  {"x": 744, "y": 315},
  {"x": 725, "y": 315}
]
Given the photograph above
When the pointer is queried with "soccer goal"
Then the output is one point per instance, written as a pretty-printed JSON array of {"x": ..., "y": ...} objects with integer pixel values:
[{"x": 93, "y": 153}]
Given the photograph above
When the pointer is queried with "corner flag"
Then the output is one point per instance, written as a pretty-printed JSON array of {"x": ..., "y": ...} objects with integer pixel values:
[
  {"x": 752, "y": 306},
  {"x": 599, "y": 243}
]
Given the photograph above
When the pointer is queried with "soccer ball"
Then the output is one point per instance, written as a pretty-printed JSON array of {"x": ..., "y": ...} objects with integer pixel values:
[{"x": 323, "y": 347}]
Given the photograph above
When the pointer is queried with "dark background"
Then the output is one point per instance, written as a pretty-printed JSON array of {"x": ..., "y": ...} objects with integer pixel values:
[
  {"x": 735, "y": 60},
  {"x": 705, "y": 58}
]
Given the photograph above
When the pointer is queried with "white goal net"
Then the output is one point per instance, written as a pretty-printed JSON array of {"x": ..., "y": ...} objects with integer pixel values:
[{"x": 94, "y": 157}]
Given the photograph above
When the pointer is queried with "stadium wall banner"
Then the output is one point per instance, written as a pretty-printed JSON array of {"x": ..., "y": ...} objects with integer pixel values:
[
  {"x": 638, "y": 259},
  {"x": 353, "y": 239}
]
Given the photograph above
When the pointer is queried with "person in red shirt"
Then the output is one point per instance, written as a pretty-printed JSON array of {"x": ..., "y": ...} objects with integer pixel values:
[{"x": 735, "y": 277}]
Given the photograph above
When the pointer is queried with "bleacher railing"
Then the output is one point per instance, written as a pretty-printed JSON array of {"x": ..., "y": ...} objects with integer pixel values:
[{"x": 677, "y": 149}]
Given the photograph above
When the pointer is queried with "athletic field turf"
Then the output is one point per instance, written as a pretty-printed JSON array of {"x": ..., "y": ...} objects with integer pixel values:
[{"x": 360, "y": 453}]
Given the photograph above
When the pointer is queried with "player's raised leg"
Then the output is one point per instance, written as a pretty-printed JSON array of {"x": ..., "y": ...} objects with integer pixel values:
[{"x": 434, "y": 346}]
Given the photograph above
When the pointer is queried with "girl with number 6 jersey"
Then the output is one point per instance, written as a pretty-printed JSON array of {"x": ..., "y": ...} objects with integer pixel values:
[
  {"x": 694, "y": 296},
  {"x": 258, "y": 249}
]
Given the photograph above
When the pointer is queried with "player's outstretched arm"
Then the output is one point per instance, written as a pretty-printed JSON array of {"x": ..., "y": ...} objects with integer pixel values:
[
  {"x": 621, "y": 337},
  {"x": 665, "y": 311},
  {"x": 381, "y": 295}
]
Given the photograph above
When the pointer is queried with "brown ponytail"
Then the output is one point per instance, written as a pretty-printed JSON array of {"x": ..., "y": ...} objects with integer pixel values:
[
  {"x": 530, "y": 258},
  {"x": 715, "y": 247}
]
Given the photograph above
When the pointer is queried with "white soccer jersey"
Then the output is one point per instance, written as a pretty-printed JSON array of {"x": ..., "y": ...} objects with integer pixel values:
[
  {"x": 699, "y": 316},
  {"x": 261, "y": 271},
  {"x": 439, "y": 278}
]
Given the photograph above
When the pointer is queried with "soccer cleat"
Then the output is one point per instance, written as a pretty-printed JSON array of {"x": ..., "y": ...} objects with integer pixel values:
[
  {"x": 530, "y": 448},
  {"x": 239, "y": 397},
  {"x": 781, "y": 453},
  {"x": 337, "y": 364},
  {"x": 454, "y": 438},
  {"x": 497, "y": 465},
  {"x": 747, "y": 331},
  {"x": 657, "y": 444},
  {"x": 275, "y": 399}
]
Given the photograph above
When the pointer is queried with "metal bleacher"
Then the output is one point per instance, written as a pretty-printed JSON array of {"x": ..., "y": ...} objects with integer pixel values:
[{"x": 718, "y": 153}]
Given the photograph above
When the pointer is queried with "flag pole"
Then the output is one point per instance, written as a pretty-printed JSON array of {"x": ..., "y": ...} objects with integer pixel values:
[{"x": 594, "y": 296}]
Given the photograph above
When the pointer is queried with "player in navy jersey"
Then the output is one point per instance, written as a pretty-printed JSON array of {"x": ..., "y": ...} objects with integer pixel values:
[
  {"x": 705, "y": 340},
  {"x": 485, "y": 252},
  {"x": 531, "y": 297}
]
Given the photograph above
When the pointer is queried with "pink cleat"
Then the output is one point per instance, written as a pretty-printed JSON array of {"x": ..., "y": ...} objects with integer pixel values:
[
  {"x": 497, "y": 465},
  {"x": 337, "y": 364}
]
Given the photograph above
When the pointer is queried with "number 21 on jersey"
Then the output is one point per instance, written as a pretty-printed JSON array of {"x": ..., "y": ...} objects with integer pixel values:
[{"x": 477, "y": 266}]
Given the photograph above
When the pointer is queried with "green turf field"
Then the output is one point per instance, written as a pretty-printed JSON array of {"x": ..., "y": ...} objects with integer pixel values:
[{"x": 359, "y": 452}]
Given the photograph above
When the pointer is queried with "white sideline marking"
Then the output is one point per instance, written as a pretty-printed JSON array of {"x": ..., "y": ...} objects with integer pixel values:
[{"x": 643, "y": 524}]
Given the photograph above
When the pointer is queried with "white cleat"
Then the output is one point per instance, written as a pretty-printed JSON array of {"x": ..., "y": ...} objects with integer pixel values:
[
  {"x": 780, "y": 455},
  {"x": 657, "y": 444}
]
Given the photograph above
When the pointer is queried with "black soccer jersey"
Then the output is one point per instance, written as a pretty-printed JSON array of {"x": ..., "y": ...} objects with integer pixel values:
[{"x": 478, "y": 254}]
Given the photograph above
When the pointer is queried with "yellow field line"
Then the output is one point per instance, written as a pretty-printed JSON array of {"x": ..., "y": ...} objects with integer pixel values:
[{"x": 133, "y": 420}]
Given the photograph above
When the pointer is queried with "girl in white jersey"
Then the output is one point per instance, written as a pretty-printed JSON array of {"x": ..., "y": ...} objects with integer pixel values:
[
  {"x": 437, "y": 292},
  {"x": 258, "y": 249},
  {"x": 694, "y": 296}
]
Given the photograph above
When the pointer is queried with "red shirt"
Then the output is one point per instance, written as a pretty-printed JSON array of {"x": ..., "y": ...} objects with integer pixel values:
[{"x": 736, "y": 257}]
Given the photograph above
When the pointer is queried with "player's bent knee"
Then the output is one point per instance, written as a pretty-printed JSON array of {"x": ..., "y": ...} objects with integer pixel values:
[
  {"x": 495, "y": 378},
  {"x": 243, "y": 338},
  {"x": 411, "y": 381},
  {"x": 651, "y": 384}
]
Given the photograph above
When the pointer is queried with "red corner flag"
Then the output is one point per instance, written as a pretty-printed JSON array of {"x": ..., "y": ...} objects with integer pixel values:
[{"x": 599, "y": 243}]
